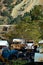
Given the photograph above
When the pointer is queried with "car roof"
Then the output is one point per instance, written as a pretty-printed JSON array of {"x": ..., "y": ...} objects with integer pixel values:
[
  {"x": 18, "y": 40},
  {"x": 4, "y": 43},
  {"x": 41, "y": 42}
]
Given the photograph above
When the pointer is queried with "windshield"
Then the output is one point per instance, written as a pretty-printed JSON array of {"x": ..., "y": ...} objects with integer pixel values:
[
  {"x": 17, "y": 42},
  {"x": 2, "y": 47},
  {"x": 29, "y": 42}
]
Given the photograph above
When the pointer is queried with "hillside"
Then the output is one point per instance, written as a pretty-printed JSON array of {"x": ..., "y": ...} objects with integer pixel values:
[
  {"x": 10, "y": 9},
  {"x": 24, "y": 6},
  {"x": 28, "y": 26}
]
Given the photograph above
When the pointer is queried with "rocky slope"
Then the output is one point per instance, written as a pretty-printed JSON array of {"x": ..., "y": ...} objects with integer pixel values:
[
  {"x": 25, "y": 6},
  {"x": 13, "y": 8}
]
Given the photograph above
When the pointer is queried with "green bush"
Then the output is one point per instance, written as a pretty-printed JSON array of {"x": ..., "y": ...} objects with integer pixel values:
[{"x": 20, "y": 62}]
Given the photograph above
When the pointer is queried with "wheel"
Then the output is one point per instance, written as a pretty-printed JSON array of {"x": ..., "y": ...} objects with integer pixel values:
[
  {"x": 1, "y": 60},
  {"x": 15, "y": 57}
]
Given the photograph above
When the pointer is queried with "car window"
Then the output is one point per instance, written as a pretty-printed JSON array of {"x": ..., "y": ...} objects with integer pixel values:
[{"x": 17, "y": 42}]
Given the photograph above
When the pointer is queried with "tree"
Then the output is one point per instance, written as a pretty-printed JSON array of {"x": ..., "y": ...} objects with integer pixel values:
[
  {"x": 41, "y": 28},
  {"x": 37, "y": 13}
]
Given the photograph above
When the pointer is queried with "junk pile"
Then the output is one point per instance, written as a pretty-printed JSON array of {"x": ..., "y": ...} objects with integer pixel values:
[{"x": 12, "y": 53}]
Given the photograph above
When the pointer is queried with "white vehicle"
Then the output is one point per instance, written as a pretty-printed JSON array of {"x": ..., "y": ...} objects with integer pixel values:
[
  {"x": 22, "y": 41},
  {"x": 29, "y": 45},
  {"x": 39, "y": 56},
  {"x": 3, "y": 43}
]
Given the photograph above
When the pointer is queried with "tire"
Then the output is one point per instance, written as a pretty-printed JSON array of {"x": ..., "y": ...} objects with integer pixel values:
[{"x": 15, "y": 57}]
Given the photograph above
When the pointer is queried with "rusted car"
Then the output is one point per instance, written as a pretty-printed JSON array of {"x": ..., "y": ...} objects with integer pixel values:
[{"x": 18, "y": 44}]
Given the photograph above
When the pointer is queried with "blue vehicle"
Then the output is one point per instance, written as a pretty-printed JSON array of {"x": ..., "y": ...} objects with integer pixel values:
[
  {"x": 9, "y": 54},
  {"x": 12, "y": 54}
]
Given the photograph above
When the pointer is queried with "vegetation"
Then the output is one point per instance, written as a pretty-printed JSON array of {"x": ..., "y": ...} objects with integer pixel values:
[
  {"x": 20, "y": 62},
  {"x": 29, "y": 26}
]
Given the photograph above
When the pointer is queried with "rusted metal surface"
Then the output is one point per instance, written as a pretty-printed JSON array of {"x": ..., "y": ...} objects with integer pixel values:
[
  {"x": 1, "y": 58},
  {"x": 17, "y": 46}
]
